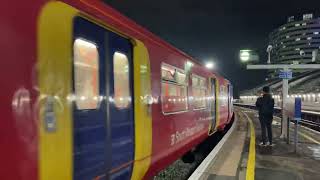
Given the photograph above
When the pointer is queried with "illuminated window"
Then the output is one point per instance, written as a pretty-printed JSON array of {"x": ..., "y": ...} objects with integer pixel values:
[
  {"x": 168, "y": 73},
  {"x": 122, "y": 97},
  {"x": 86, "y": 74},
  {"x": 173, "y": 90},
  {"x": 174, "y": 97},
  {"x": 224, "y": 95},
  {"x": 199, "y": 86}
]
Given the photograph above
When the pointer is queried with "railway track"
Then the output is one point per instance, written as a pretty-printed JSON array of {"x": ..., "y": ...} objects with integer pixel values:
[{"x": 310, "y": 119}]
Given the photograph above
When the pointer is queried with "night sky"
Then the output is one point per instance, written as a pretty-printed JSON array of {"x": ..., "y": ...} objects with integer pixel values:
[{"x": 217, "y": 29}]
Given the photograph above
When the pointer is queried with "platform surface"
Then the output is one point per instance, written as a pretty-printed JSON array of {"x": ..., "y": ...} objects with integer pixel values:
[
  {"x": 270, "y": 163},
  {"x": 281, "y": 162},
  {"x": 225, "y": 164}
]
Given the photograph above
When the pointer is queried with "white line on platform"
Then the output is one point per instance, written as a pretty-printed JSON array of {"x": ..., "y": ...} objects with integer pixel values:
[
  {"x": 206, "y": 162},
  {"x": 275, "y": 117},
  {"x": 301, "y": 134},
  {"x": 304, "y": 127}
]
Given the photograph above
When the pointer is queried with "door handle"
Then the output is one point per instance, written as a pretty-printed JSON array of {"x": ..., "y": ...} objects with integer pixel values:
[{"x": 51, "y": 106}]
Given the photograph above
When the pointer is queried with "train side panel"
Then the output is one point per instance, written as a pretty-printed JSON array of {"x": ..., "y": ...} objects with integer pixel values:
[{"x": 36, "y": 63}]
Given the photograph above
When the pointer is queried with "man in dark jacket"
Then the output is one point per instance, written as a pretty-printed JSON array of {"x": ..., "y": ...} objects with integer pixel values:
[{"x": 265, "y": 105}]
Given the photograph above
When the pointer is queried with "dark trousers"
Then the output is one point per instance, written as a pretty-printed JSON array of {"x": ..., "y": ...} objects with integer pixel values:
[{"x": 266, "y": 126}]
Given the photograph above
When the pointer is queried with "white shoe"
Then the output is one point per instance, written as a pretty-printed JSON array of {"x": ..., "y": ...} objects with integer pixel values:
[{"x": 262, "y": 144}]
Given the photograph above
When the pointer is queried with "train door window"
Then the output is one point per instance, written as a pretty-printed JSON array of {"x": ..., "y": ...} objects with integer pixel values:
[
  {"x": 223, "y": 95},
  {"x": 86, "y": 74},
  {"x": 199, "y": 86},
  {"x": 174, "y": 90},
  {"x": 122, "y": 97}
]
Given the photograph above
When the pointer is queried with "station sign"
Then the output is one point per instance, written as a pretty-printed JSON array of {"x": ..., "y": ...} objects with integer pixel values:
[{"x": 285, "y": 74}]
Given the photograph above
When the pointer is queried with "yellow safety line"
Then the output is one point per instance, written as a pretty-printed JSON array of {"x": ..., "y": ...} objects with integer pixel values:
[{"x": 252, "y": 151}]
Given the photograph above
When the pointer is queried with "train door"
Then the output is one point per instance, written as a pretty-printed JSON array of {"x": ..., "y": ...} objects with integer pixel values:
[
  {"x": 230, "y": 100},
  {"x": 103, "y": 132},
  {"x": 229, "y": 93},
  {"x": 121, "y": 112},
  {"x": 212, "y": 105}
]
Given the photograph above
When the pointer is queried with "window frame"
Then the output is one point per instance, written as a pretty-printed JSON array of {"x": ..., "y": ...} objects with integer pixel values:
[{"x": 186, "y": 85}]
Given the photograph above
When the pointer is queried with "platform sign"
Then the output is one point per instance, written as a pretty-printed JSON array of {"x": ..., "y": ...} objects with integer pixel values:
[
  {"x": 297, "y": 119},
  {"x": 293, "y": 108},
  {"x": 297, "y": 109},
  {"x": 285, "y": 74}
]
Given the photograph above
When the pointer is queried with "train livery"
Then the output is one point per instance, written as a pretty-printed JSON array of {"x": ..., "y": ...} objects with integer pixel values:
[{"x": 88, "y": 94}]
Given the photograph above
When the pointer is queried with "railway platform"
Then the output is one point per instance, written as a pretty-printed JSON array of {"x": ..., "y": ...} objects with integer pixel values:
[{"x": 239, "y": 156}]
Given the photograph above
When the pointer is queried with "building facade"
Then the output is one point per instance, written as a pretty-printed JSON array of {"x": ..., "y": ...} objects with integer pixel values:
[{"x": 297, "y": 41}]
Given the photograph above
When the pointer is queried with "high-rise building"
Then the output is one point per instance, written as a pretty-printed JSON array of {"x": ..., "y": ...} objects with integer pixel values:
[{"x": 297, "y": 41}]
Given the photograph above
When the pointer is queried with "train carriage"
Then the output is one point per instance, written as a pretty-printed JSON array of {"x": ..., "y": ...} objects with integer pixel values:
[{"x": 88, "y": 94}]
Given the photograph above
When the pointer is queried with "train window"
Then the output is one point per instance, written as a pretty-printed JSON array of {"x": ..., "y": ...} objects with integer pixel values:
[
  {"x": 168, "y": 73},
  {"x": 174, "y": 98},
  {"x": 122, "y": 97},
  {"x": 86, "y": 74},
  {"x": 174, "y": 90},
  {"x": 181, "y": 77},
  {"x": 199, "y": 86}
]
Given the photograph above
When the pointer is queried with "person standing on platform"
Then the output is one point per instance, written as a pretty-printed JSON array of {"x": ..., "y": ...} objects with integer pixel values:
[{"x": 265, "y": 105}]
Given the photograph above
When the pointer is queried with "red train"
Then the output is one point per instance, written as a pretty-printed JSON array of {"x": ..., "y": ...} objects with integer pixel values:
[{"x": 89, "y": 94}]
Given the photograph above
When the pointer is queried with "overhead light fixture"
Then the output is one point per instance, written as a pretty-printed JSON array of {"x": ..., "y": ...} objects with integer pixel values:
[{"x": 210, "y": 65}]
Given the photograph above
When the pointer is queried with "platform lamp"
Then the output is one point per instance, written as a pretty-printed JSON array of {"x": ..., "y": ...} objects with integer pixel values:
[
  {"x": 244, "y": 55},
  {"x": 210, "y": 65}
]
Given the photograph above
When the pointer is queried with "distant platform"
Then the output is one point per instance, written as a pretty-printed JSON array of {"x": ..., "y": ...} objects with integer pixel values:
[{"x": 239, "y": 156}]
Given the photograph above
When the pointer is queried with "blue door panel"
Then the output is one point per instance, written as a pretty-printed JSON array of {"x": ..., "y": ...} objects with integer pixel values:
[
  {"x": 122, "y": 123},
  {"x": 104, "y": 138},
  {"x": 90, "y": 131},
  {"x": 123, "y": 174}
]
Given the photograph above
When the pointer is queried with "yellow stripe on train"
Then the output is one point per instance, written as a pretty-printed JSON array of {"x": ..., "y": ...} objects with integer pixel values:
[
  {"x": 143, "y": 120},
  {"x": 54, "y": 80}
]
